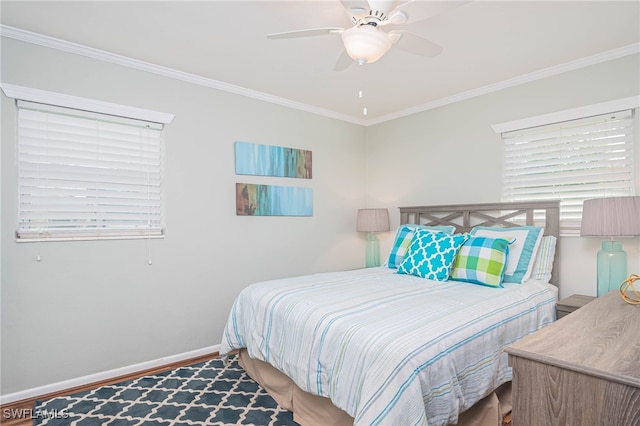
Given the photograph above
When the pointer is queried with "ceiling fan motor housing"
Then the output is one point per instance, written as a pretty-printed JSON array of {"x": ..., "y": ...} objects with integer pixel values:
[{"x": 374, "y": 16}]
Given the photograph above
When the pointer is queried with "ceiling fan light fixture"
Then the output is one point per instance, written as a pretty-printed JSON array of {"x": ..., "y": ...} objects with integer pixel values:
[{"x": 365, "y": 44}]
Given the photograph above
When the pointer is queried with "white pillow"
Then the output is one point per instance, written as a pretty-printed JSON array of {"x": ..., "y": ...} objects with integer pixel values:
[{"x": 543, "y": 264}]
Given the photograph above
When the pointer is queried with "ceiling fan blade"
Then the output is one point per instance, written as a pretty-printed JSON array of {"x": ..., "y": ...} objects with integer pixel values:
[
  {"x": 312, "y": 32},
  {"x": 420, "y": 10},
  {"x": 415, "y": 44},
  {"x": 343, "y": 62}
]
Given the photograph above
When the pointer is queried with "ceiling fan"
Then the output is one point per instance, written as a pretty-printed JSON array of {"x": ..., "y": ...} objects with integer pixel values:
[{"x": 366, "y": 41}]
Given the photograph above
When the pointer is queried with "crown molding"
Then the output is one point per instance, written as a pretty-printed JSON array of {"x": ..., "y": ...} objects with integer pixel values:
[
  {"x": 631, "y": 49},
  {"x": 54, "y": 43},
  {"x": 101, "y": 55}
]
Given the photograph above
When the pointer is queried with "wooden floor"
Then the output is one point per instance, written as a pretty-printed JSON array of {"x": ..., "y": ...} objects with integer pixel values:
[{"x": 20, "y": 413}]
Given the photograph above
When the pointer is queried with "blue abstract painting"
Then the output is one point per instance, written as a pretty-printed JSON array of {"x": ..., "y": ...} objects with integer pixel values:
[
  {"x": 270, "y": 160},
  {"x": 270, "y": 200}
]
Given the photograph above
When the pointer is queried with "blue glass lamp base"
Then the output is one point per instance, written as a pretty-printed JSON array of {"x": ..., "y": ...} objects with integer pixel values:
[
  {"x": 373, "y": 251},
  {"x": 612, "y": 266}
]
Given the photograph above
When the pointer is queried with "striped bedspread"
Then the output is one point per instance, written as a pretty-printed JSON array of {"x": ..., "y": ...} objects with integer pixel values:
[{"x": 388, "y": 349}]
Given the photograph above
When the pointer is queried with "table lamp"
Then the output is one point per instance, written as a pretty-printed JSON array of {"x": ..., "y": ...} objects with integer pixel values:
[
  {"x": 611, "y": 217},
  {"x": 372, "y": 221}
]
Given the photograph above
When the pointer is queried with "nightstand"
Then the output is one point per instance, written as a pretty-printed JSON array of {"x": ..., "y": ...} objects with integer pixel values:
[{"x": 569, "y": 304}]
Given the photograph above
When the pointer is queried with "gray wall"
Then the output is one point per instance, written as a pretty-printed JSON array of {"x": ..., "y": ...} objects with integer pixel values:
[
  {"x": 452, "y": 155},
  {"x": 88, "y": 307}
]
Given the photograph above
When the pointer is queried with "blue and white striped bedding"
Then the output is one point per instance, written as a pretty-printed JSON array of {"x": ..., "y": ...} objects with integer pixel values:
[{"x": 388, "y": 349}]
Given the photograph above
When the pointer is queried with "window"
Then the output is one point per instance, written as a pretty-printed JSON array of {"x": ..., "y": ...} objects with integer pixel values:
[
  {"x": 571, "y": 161},
  {"x": 87, "y": 175}
]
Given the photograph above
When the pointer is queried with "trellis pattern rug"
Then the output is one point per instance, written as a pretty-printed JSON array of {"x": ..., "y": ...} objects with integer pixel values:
[{"x": 207, "y": 393}]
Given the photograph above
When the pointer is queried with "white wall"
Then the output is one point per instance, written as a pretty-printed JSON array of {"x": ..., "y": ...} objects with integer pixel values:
[
  {"x": 451, "y": 154},
  {"x": 89, "y": 307},
  {"x": 94, "y": 306}
]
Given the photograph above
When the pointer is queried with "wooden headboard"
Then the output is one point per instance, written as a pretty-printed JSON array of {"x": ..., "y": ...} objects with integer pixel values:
[{"x": 466, "y": 216}]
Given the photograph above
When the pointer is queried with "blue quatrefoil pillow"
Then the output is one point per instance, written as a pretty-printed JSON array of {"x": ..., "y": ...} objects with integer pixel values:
[{"x": 431, "y": 255}]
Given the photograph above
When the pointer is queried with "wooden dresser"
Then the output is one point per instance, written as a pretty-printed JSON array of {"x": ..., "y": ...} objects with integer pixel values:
[{"x": 583, "y": 369}]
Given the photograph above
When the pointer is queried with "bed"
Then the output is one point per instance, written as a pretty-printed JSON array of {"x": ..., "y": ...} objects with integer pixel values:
[{"x": 397, "y": 344}]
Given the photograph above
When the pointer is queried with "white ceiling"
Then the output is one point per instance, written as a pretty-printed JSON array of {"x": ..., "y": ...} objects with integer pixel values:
[{"x": 487, "y": 45}]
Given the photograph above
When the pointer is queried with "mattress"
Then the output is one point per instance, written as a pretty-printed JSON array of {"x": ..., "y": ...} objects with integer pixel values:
[{"x": 388, "y": 348}]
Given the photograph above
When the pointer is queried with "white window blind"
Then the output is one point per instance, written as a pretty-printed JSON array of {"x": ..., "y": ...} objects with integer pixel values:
[
  {"x": 85, "y": 175},
  {"x": 571, "y": 161}
]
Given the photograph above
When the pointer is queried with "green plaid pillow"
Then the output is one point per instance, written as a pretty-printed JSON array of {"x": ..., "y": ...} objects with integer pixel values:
[
  {"x": 482, "y": 260},
  {"x": 522, "y": 252}
]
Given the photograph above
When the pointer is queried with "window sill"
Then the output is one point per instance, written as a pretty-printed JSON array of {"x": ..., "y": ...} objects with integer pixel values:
[{"x": 95, "y": 238}]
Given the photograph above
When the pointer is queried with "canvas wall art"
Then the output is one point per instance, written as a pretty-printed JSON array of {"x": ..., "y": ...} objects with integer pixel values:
[
  {"x": 269, "y": 160},
  {"x": 271, "y": 200}
]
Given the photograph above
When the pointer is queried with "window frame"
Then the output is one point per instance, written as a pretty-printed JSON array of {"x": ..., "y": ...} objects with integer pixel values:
[
  {"x": 88, "y": 110},
  {"x": 569, "y": 224}
]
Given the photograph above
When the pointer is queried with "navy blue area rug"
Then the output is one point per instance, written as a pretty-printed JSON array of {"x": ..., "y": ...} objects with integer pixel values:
[{"x": 207, "y": 393}]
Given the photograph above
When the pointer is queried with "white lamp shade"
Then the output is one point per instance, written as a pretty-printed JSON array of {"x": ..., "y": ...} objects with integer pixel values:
[
  {"x": 611, "y": 217},
  {"x": 365, "y": 43},
  {"x": 372, "y": 220}
]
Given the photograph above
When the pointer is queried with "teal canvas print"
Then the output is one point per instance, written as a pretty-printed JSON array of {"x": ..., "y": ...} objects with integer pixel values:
[
  {"x": 270, "y": 200},
  {"x": 270, "y": 160}
]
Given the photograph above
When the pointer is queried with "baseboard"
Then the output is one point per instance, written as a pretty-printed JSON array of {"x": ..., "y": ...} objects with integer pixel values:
[{"x": 104, "y": 375}]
